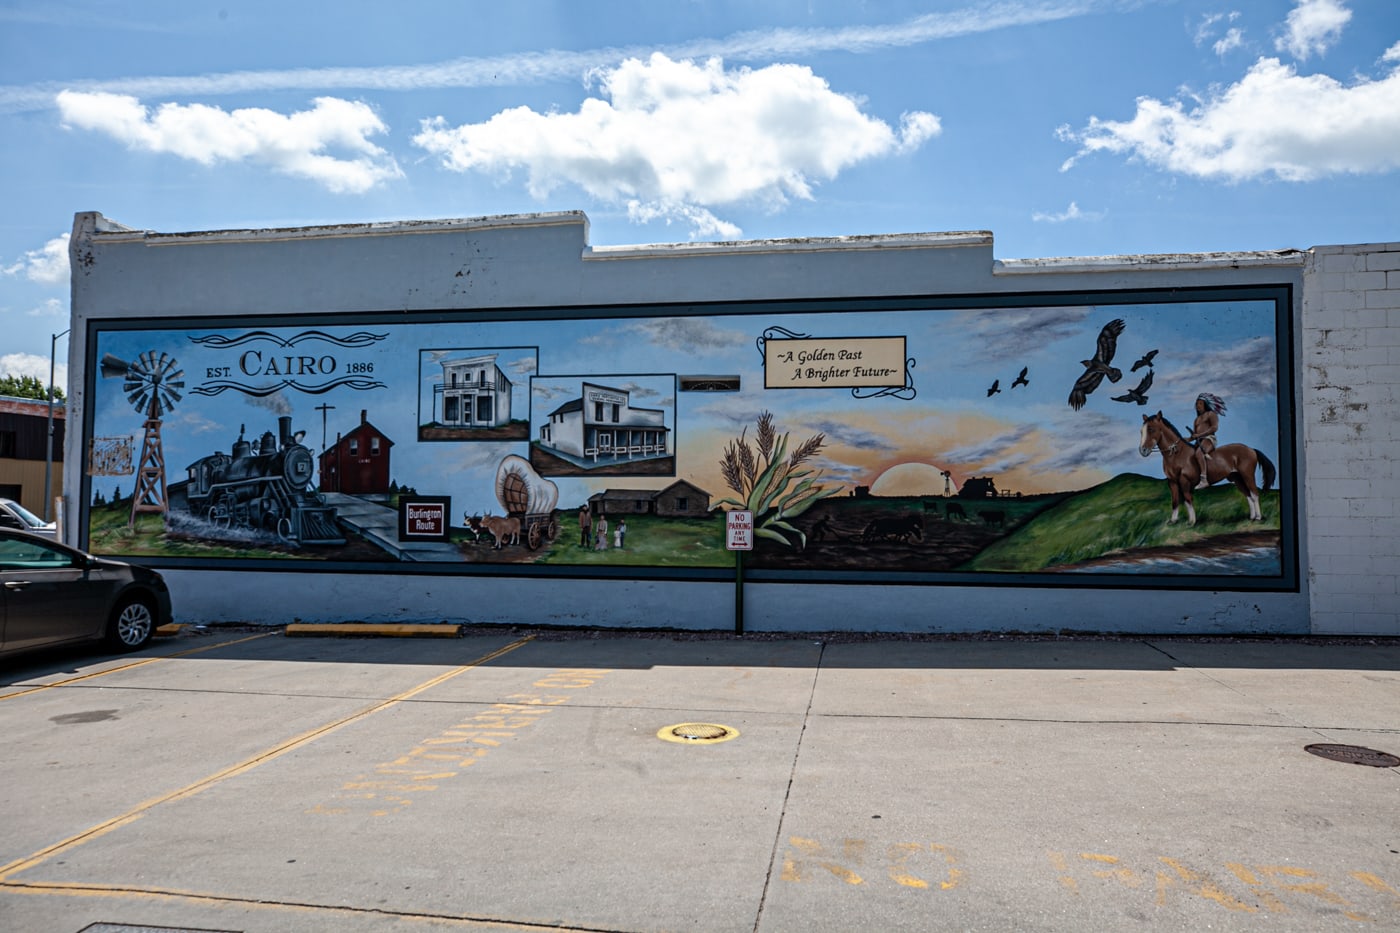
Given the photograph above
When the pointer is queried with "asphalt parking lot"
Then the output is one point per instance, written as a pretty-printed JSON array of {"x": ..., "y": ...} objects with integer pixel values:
[{"x": 245, "y": 780}]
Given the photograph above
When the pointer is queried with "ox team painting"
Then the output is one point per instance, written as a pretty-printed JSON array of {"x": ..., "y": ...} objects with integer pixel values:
[{"x": 917, "y": 439}]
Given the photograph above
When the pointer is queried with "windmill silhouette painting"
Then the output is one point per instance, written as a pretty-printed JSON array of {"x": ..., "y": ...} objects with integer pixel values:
[{"x": 152, "y": 384}]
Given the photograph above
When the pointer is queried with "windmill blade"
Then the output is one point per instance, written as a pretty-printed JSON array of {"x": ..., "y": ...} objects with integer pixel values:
[
  {"x": 163, "y": 366},
  {"x": 168, "y": 397},
  {"x": 114, "y": 366},
  {"x": 139, "y": 399},
  {"x": 175, "y": 379}
]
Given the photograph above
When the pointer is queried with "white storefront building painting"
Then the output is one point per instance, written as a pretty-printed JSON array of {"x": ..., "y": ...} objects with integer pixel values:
[
  {"x": 602, "y": 426},
  {"x": 475, "y": 393}
]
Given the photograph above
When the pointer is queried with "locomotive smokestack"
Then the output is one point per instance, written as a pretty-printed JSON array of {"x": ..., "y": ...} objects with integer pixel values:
[{"x": 284, "y": 428}]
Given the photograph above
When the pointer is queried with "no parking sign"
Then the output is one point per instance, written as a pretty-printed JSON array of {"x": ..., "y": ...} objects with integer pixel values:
[{"x": 738, "y": 530}]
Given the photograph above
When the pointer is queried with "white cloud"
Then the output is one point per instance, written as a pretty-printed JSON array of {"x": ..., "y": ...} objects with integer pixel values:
[
  {"x": 1070, "y": 213},
  {"x": 674, "y": 138},
  {"x": 1272, "y": 122},
  {"x": 51, "y": 307},
  {"x": 47, "y": 265},
  {"x": 1233, "y": 39},
  {"x": 300, "y": 144},
  {"x": 1206, "y": 31},
  {"x": 702, "y": 223},
  {"x": 1313, "y": 26},
  {"x": 32, "y": 364}
]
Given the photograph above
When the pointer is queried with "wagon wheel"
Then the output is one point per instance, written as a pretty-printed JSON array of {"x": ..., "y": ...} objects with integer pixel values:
[
  {"x": 553, "y": 527},
  {"x": 532, "y": 538}
]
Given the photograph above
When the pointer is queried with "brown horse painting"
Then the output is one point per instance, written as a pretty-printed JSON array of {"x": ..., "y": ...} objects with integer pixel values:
[{"x": 1234, "y": 462}]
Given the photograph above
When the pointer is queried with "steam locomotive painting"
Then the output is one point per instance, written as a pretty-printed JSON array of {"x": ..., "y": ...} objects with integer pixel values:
[{"x": 263, "y": 485}]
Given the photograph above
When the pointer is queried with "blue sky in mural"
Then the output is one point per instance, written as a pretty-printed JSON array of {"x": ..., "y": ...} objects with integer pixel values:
[
  {"x": 1064, "y": 127},
  {"x": 1025, "y": 436}
]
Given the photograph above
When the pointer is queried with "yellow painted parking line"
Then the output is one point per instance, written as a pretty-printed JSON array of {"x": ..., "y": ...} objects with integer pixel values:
[
  {"x": 408, "y": 629},
  {"x": 134, "y": 664},
  {"x": 247, "y": 764},
  {"x": 435, "y": 920}
]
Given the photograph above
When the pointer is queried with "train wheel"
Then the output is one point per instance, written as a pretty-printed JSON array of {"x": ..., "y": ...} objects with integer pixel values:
[{"x": 284, "y": 529}]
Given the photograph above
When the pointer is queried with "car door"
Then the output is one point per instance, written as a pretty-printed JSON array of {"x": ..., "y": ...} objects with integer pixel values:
[{"x": 50, "y": 594}]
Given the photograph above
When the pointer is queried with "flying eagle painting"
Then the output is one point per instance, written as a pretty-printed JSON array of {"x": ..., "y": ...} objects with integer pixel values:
[{"x": 1098, "y": 367}]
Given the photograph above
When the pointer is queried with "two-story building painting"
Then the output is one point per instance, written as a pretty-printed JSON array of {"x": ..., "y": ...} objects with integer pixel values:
[
  {"x": 602, "y": 427},
  {"x": 474, "y": 393}
]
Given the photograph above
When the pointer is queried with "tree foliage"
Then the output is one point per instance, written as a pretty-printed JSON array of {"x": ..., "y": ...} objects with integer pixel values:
[{"x": 27, "y": 387}]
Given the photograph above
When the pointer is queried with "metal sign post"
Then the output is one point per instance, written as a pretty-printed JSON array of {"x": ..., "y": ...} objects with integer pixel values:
[{"x": 738, "y": 537}]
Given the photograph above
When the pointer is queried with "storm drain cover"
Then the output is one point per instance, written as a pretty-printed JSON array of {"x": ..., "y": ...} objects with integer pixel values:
[
  {"x": 698, "y": 733},
  {"x": 1354, "y": 754}
]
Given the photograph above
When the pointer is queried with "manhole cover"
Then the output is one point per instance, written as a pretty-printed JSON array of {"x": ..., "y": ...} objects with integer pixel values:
[
  {"x": 697, "y": 733},
  {"x": 1354, "y": 754}
]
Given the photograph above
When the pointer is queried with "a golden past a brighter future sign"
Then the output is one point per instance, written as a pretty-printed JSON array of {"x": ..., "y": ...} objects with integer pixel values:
[{"x": 834, "y": 362}]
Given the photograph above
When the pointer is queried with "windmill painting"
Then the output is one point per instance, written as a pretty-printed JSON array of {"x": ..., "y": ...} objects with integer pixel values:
[{"x": 152, "y": 384}]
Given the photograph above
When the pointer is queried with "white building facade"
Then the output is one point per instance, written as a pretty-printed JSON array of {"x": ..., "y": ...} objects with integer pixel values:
[
  {"x": 602, "y": 425},
  {"x": 475, "y": 393}
]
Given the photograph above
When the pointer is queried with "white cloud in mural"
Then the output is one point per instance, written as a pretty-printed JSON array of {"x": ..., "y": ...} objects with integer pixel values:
[
  {"x": 671, "y": 140},
  {"x": 47, "y": 265},
  {"x": 691, "y": 334},
  {"x": 1273, "y": 122},
  {"x": 328, "y": 144}
]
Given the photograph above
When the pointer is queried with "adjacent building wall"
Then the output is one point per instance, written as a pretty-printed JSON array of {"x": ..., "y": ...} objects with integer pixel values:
[
  {"x": 24, "y": 431},
  {"x": 1351, "y": 436}
]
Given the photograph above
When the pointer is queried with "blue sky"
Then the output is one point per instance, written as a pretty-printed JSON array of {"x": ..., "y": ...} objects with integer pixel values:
[{"x": 1064, "y": 127}]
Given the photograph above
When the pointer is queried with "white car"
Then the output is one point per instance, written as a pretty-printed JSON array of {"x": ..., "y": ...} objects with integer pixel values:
[{"x": 15, "y": 516}]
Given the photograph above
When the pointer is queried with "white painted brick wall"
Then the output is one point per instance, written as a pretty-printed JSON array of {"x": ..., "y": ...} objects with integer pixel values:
[{"x": 1351, "y": 437}]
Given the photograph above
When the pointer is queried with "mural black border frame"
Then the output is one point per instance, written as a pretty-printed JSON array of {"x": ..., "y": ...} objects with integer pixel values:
[{"x": 1282, "y": 293}]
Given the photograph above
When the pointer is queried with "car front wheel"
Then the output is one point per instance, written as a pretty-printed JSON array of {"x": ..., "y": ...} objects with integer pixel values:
[{"x": 132, "y": 625}]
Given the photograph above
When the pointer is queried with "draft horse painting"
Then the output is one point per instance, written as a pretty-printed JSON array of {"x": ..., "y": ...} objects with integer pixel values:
[{"x": 1233, "y": 462}]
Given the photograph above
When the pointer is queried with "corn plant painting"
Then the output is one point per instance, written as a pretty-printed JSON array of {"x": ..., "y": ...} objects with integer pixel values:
[{"x": 772, "y": 483}]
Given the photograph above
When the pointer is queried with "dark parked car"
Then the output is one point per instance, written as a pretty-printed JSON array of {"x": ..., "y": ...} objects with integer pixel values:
[{"x": 52, "y": 594}]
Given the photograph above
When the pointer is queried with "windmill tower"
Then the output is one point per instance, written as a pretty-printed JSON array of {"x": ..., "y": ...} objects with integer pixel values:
[
  {"x": 152, "y": 385},
  {"x": 947, "y": 482}
]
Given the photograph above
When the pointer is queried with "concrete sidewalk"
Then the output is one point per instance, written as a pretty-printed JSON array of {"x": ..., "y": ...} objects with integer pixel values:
[{"x": 248, "y": 781}]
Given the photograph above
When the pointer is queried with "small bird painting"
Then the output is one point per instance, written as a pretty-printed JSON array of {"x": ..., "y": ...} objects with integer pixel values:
[
  {"x": 1145, "y": 360},
  {"x": 1139, "y": 394}
]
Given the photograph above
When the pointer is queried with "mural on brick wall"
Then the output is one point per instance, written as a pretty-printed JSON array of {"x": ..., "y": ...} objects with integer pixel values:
[{"x": 918, "y": 439}]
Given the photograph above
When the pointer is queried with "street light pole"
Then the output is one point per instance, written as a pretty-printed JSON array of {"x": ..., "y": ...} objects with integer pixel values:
[{"x": 48, "y": 443}]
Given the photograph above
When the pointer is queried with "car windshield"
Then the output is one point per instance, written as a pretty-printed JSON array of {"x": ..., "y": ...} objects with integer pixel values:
[{"x": 26, "y": 516}]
